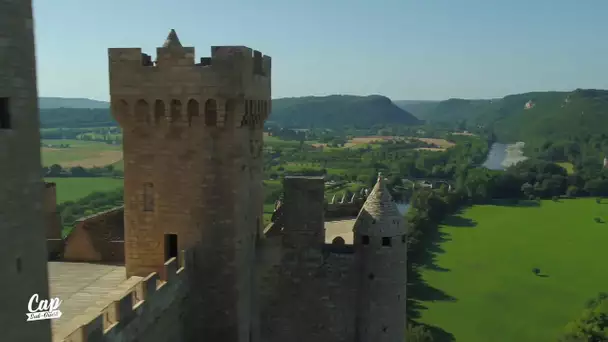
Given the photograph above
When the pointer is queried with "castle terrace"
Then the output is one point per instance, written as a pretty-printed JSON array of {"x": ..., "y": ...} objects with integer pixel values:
[
  {"x": 339, "y": 228},
  {"x": 85, "y": 290}
]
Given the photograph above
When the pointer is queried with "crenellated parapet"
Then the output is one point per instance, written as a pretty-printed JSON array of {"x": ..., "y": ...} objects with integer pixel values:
[
  {"x": 230, "y": 89},
  {"x": 346, "y": 206},
  {"x": 127, "y": 317}
]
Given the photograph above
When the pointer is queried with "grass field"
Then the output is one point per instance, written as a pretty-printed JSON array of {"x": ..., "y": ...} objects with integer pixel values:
[
  {"x": 72, "y": 189},
  {"x": 481, "y": 288},
  {"x": 80, "y": 153}
]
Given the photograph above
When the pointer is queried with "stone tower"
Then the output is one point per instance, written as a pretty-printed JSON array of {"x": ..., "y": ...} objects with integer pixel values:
[
  {"x": 193, "y": 173},
  {"x": 381, "y": 256},
  {"x": 23, "y": 245}
]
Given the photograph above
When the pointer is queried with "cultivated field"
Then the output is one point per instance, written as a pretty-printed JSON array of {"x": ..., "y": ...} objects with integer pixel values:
[
  {"x": 80, "y": 153},
  {"x": 441, "y": 143},
  {"x": 72, "y": 189},
  {"x": 481, "y": 286}
]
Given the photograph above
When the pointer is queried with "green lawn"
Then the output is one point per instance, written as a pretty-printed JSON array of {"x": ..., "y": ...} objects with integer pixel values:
[
  {"x": 79, "y": 152},
  {"x": 486, "y": 267},
  {"x": 72, "y": 189}
]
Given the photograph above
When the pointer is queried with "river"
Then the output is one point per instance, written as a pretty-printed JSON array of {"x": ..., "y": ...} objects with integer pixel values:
[{"x": 502, "y": 155}]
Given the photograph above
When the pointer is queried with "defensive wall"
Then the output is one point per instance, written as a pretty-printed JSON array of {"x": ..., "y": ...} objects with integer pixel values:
[
  {"x": 151, "y": 311},
  {"x": 97, "y": 238}
]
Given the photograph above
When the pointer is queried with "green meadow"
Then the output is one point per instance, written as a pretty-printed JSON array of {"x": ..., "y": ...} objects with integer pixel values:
[
  {"x": 72, "y": 189},
  {"x": 479, "y": 285}
]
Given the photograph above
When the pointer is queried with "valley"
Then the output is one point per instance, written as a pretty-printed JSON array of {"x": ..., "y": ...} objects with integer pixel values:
[{"x": 489, "y": 223}]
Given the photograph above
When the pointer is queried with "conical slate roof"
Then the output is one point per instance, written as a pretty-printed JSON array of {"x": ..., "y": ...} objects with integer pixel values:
[
  {"x": 172, "y": 40},
  {"x": 379, "y": 215}
]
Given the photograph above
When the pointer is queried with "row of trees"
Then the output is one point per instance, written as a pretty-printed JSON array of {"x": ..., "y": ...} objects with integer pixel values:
[
  {"x": 96, "y": 202},
  {"x": 57, "y": 170}
]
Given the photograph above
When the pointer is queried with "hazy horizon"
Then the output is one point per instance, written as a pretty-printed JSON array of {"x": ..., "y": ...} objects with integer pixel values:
[{"x": 405, "y": 50}]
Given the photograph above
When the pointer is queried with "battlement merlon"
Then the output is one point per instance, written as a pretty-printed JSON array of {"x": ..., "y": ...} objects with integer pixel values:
[{"x": 223, "y": 60}]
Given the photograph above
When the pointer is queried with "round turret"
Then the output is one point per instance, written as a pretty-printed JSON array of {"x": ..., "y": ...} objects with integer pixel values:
[{"x": 381, "y": 257}]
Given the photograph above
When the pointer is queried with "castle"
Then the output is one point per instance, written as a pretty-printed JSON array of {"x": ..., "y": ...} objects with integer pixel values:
[{"x": 198, "y": 263}]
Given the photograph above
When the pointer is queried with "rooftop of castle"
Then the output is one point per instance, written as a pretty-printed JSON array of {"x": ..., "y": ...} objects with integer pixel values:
[
  {"x": 379, "y": 214},
  {"x": 172, "y": 40},
  {"x": 85, "y": 289}
]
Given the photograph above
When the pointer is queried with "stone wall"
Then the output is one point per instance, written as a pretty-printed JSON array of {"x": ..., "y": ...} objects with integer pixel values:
[
  {"x": 342, "y": 210},
  {"x": 307, "y": 288},
  {"x": 314, "y": 303},
  {"x": 97, "y": 238},
  {"x": 23, "y": 251},
  {"x": 54, "y": 240},
  {"x": 153, "y": 312}
]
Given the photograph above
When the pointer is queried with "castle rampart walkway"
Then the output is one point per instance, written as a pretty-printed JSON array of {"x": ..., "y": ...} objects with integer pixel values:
[
  {"x": 342, "y": 228},
  {"x": 85, "y": 290}
]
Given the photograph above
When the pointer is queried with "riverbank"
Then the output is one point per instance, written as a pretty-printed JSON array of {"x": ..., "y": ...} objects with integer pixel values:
[
  {"x": 514, "y": 154},
  {"x": 503, "y": 155}
]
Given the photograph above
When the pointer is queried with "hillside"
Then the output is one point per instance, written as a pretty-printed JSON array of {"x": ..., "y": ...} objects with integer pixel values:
[
  {"x": 76, "y": 118},
  {"x": 419, "y": 109},
  {"x": 301, "y": 112},
  {"x": 552, "y": 115},
  {"x": 338, "y": 111},
  {"x": 61, "y": 102}
]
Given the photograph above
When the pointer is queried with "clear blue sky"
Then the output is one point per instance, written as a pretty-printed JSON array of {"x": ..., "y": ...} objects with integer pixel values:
[{"x": 404, "y": 49}]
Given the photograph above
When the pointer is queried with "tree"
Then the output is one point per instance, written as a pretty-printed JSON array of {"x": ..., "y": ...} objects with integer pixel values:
[
  {"x": 55, "y": 170},
  {"x": 592, "y": 325}
]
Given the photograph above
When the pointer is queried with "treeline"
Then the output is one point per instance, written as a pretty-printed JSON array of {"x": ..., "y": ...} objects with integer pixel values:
[
  {"x": 96, "y": 202},
  {"x": 57, "y": 170},
  {"x": 76, "y": 118},
  {"x": 80, "y": 133}
]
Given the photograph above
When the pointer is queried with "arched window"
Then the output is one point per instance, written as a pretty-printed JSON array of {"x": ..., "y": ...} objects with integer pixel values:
[
  {"x": 142, "y": 111},
  {"x": 122, "y": 108},
  {"x": 210, "y": 113},
  {"x": 176, "y": 110},
  {"x": 159, "y": 111},
  {"x": 192, "y": 110},
  {"x": 230, "y": 112}
]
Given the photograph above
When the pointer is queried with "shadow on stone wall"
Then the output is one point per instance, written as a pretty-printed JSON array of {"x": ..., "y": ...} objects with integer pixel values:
[{"x": 418, "y": 290}]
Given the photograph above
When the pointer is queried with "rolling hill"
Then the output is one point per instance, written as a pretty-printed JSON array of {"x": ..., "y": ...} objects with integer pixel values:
[
  {"x": 61, "y": 102},
  {"x": 549, "y": 115},
  {"x": 301, "y": 112},
  {"x": 338, "y": 111}
]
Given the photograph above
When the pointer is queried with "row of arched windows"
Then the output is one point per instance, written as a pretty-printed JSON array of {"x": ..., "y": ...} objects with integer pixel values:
[{"x": 255, "y": 112}]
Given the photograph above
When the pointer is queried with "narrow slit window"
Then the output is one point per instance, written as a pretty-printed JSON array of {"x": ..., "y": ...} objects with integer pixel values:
[
  {"x": 386, "y": 241},
  {"x": 170, "y": 246},
  {"x": 5, "y": 114},
  {"x": 148, "y": 197}
]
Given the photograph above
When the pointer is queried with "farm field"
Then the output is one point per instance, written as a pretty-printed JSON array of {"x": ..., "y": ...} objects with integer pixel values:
[
  {"x": 79, "y": 153},
  {"x": 72, "y": 189},
  {"x": 480, "y": 286}
]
